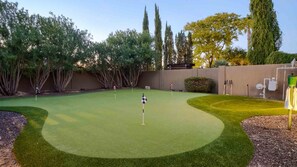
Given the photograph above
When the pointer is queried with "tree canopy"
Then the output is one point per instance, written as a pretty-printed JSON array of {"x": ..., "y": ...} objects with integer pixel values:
[{"x": 212, "y": 35}]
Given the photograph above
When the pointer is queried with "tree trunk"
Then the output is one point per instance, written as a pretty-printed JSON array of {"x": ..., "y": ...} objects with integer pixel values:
[
  {"x": 40, "y": 77},
  {"x": 61, "y": 79},
  {"x": 9, "y": 80}
]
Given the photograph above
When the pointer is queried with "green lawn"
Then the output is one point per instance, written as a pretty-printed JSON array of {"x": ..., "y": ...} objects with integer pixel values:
[{"x": 94, "y": 129}]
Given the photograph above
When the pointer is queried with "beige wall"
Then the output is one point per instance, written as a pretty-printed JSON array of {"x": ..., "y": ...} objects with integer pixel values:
[
  {"x": 241, "y": 76},
  {"x": 252, "y": 75},
  {"x": 163, "y": 79},
  {"x": 79, "y": 81}
]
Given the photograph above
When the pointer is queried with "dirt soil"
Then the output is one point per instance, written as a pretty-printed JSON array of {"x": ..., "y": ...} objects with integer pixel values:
[
  {"x": 274, "y": 144},
  {"x": 10, "y": 126}
]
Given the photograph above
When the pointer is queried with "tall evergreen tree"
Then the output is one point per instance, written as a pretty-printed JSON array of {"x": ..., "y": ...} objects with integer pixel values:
[
  {"x": 180, "y": 42},
  {"x": 145, "y": 23},
  {"x": 171, "y": 50},
  {"x": 266, "y": 34},
  {"x": 158, "y": 39},
  {"x": 168, "y": 48},
  {"x": 189, "y": 49},
  {"x": 165, "y": 46}
]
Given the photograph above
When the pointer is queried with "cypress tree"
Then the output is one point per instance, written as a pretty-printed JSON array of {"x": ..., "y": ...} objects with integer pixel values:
[
  {"x": 168, "y": 47},
  {"x": 165, "y": 47},
  {"x": 189, "y": 51},
  {"x": 266, "y": 34},
  {"x": 171, "y": 51},
  {"x": 180, "y": 42},
  {"x": 158, "y": 39},
  {"x": 145, "y": 23}
]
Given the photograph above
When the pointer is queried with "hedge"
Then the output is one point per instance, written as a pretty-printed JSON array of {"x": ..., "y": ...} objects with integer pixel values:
[
  {"x": 199, "y": 84},
  {"x": 278, "y": 57}
]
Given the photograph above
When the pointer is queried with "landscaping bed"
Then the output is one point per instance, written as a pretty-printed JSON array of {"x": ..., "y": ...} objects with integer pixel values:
[
  {"x": 10, "y": 126},
  {"x": 274, "y": 144}
]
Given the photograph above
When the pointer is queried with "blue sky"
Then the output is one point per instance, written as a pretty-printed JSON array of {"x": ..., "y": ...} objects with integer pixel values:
[{"x": 101, "y": 17}]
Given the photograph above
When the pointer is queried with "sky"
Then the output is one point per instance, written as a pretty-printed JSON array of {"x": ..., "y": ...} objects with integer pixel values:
[{"x": 102, "y": 17}]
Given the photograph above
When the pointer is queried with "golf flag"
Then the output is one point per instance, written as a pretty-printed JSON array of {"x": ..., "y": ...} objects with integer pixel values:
[
  {"x": 288, "y": 104},
  {"x": 143, "y": 99}
]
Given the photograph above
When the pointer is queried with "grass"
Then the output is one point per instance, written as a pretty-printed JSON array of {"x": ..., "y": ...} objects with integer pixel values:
[
  {"x": 98, "y": 125},
  {"x": 231, "y": 148}
]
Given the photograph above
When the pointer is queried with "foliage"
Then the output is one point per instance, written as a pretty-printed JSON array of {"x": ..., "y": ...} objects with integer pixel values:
[
  {"x": 36, "y": 46},
  {"x": 189, "y": 49},
  {"x": 245, "y": 25},
  {"x": 235, "y": 56},
  {"x": 266, "y": 34},
  {"x": 70, "y": 47},
  {"x": 278, "y": 57},
  {"x": 158, "y": 39},
  {"x": 211, "y": 35},
  {"x": 15, "y": 42},
  {"x": 221, "y": 62},
  {"x": 199, "y": 84},
  {"x": 121, "y": 58},
  {"x": 38, "y": 64},
  {"x": 181, "y": 47},
  {"x": 145, "y": 23},
  {"x": 169, "y": 52}
]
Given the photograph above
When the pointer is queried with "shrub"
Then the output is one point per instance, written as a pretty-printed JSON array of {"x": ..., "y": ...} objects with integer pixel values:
[
  {"x": 278, "y": 57},
  {"x": 199, "y": 84}
]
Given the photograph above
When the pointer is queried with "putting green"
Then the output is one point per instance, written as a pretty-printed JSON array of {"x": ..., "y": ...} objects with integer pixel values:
[{"x": 100, "y": 125}]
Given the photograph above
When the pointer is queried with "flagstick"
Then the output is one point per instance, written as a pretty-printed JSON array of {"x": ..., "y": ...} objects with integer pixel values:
[
  {"x": 115, "y": 92},
  {"x": 35, "y": 97},
  {"x": 290, "y": 119},
  {"x": 290, "y": 111},
  {"x": 142, "y": 114}
]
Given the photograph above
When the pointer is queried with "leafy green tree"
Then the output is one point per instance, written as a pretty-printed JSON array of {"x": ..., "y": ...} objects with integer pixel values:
[
  {"x": 14, "y": 45},
  {"x": 266, "y": 34},
  {"x": 158, "y": 39},
  {"x": 236, "y": 56},
  {"x": 221, "y": 62},
  {"x": 212, "y": 35},
  {"x": 70, "y": 47},
  {"x": 38, "y": 65},
  {"x": 121, "y": 58},
  {"x": 132, "y": 51}
]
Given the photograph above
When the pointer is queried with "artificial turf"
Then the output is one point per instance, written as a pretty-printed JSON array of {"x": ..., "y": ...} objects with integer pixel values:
[
  {"x": 108, "y": 124},
  {"x": 231, "y": 148}
]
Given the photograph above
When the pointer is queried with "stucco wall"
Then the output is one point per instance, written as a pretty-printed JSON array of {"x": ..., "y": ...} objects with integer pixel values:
[
  {"x": 244, "y": 79},
  {"x": 163, "y": 79},
  {"x": 84, "y": 81}
]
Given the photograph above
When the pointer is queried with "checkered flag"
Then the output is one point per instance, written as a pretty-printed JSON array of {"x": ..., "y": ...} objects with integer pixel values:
[{"x": 143, "y": 99}]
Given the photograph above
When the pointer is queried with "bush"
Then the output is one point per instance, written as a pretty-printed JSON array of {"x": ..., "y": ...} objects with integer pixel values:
[
  {"x": 199, "y": 84},
  {"x": 278, "y": 57}
]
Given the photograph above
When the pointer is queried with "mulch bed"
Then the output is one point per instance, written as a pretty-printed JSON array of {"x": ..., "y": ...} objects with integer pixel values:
[
  {"x": 10, "y": 126},
  {"x": 274, "y": 144}
]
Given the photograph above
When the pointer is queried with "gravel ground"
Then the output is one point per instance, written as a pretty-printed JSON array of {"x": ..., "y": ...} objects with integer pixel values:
[
  {"x": 10, "y": 126},
  {"x": 274, "y": 144}
]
